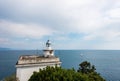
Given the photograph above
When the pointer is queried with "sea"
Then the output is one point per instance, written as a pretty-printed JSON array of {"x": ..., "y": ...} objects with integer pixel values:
[{"x": 107, "y": 62}]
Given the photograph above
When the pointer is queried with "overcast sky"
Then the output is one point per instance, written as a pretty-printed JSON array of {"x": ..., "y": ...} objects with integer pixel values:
[{"x": 69, "y": 24}]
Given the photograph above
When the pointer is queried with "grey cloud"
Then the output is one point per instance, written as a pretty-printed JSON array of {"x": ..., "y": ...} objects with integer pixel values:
[{"x": 46, "y": 17}]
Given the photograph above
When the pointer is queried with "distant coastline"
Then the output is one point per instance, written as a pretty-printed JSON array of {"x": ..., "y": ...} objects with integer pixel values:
[{"x": 1, "y": 48}]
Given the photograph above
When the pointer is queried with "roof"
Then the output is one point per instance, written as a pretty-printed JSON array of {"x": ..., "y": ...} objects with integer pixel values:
[{"x": 34, "y": 59}]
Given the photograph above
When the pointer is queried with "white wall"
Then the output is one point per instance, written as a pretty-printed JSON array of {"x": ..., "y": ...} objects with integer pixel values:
[
  {"x": 47, "y": 53},
  {"x": 24, "y": 73}
]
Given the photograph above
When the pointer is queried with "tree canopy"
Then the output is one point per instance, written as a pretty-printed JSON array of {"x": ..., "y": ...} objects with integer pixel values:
[
  {"x": 86, "y": 72},
  {"x": 10, "y": 78},
  {"x": 86, "y": 67}
]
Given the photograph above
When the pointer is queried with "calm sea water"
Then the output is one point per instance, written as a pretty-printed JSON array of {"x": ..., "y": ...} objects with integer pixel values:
[{"x": 107, "y": 62}]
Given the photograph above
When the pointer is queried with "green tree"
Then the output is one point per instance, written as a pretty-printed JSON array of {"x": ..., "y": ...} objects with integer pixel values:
[
  {"x": 60, "y": 74},
  {"x": 86, "y": 67},
  {"x": 57, "y": 74},
  {"x": 10, "y": 78},
  {"x": 89, "y": 70}
]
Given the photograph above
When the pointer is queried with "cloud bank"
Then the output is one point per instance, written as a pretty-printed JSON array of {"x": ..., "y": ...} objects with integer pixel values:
[{"x": 71, "y": 24}]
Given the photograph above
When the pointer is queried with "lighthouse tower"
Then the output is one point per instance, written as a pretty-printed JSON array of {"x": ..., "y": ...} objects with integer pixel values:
[
  {"x": 48, "y": 51},
  {"x": 27, "y": 64}
]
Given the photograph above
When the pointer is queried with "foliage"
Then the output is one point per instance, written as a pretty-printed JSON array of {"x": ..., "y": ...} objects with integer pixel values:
[
  {"x": 86, "y": 67},
  {"x": 86, "y": 72},
  {"x": 89, "y": 70},
  {"x": 10, "y": 78}
]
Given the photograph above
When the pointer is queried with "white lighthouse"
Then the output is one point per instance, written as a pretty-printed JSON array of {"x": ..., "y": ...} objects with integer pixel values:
[
  {"x": 27, "y": 64},
  {"x": 48, "y": 52}
]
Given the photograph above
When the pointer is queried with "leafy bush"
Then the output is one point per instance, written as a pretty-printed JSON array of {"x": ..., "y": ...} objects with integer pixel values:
[
  {"x": 10, "y": 78},
  {"x": 86, "y": 72}
]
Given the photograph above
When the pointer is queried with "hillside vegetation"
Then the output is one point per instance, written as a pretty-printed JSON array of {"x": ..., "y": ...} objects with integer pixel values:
[{"x": 86, "y": 72}]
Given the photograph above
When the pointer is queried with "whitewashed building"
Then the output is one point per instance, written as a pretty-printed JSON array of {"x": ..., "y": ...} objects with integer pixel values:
[{"x": 27, "y": 64}]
